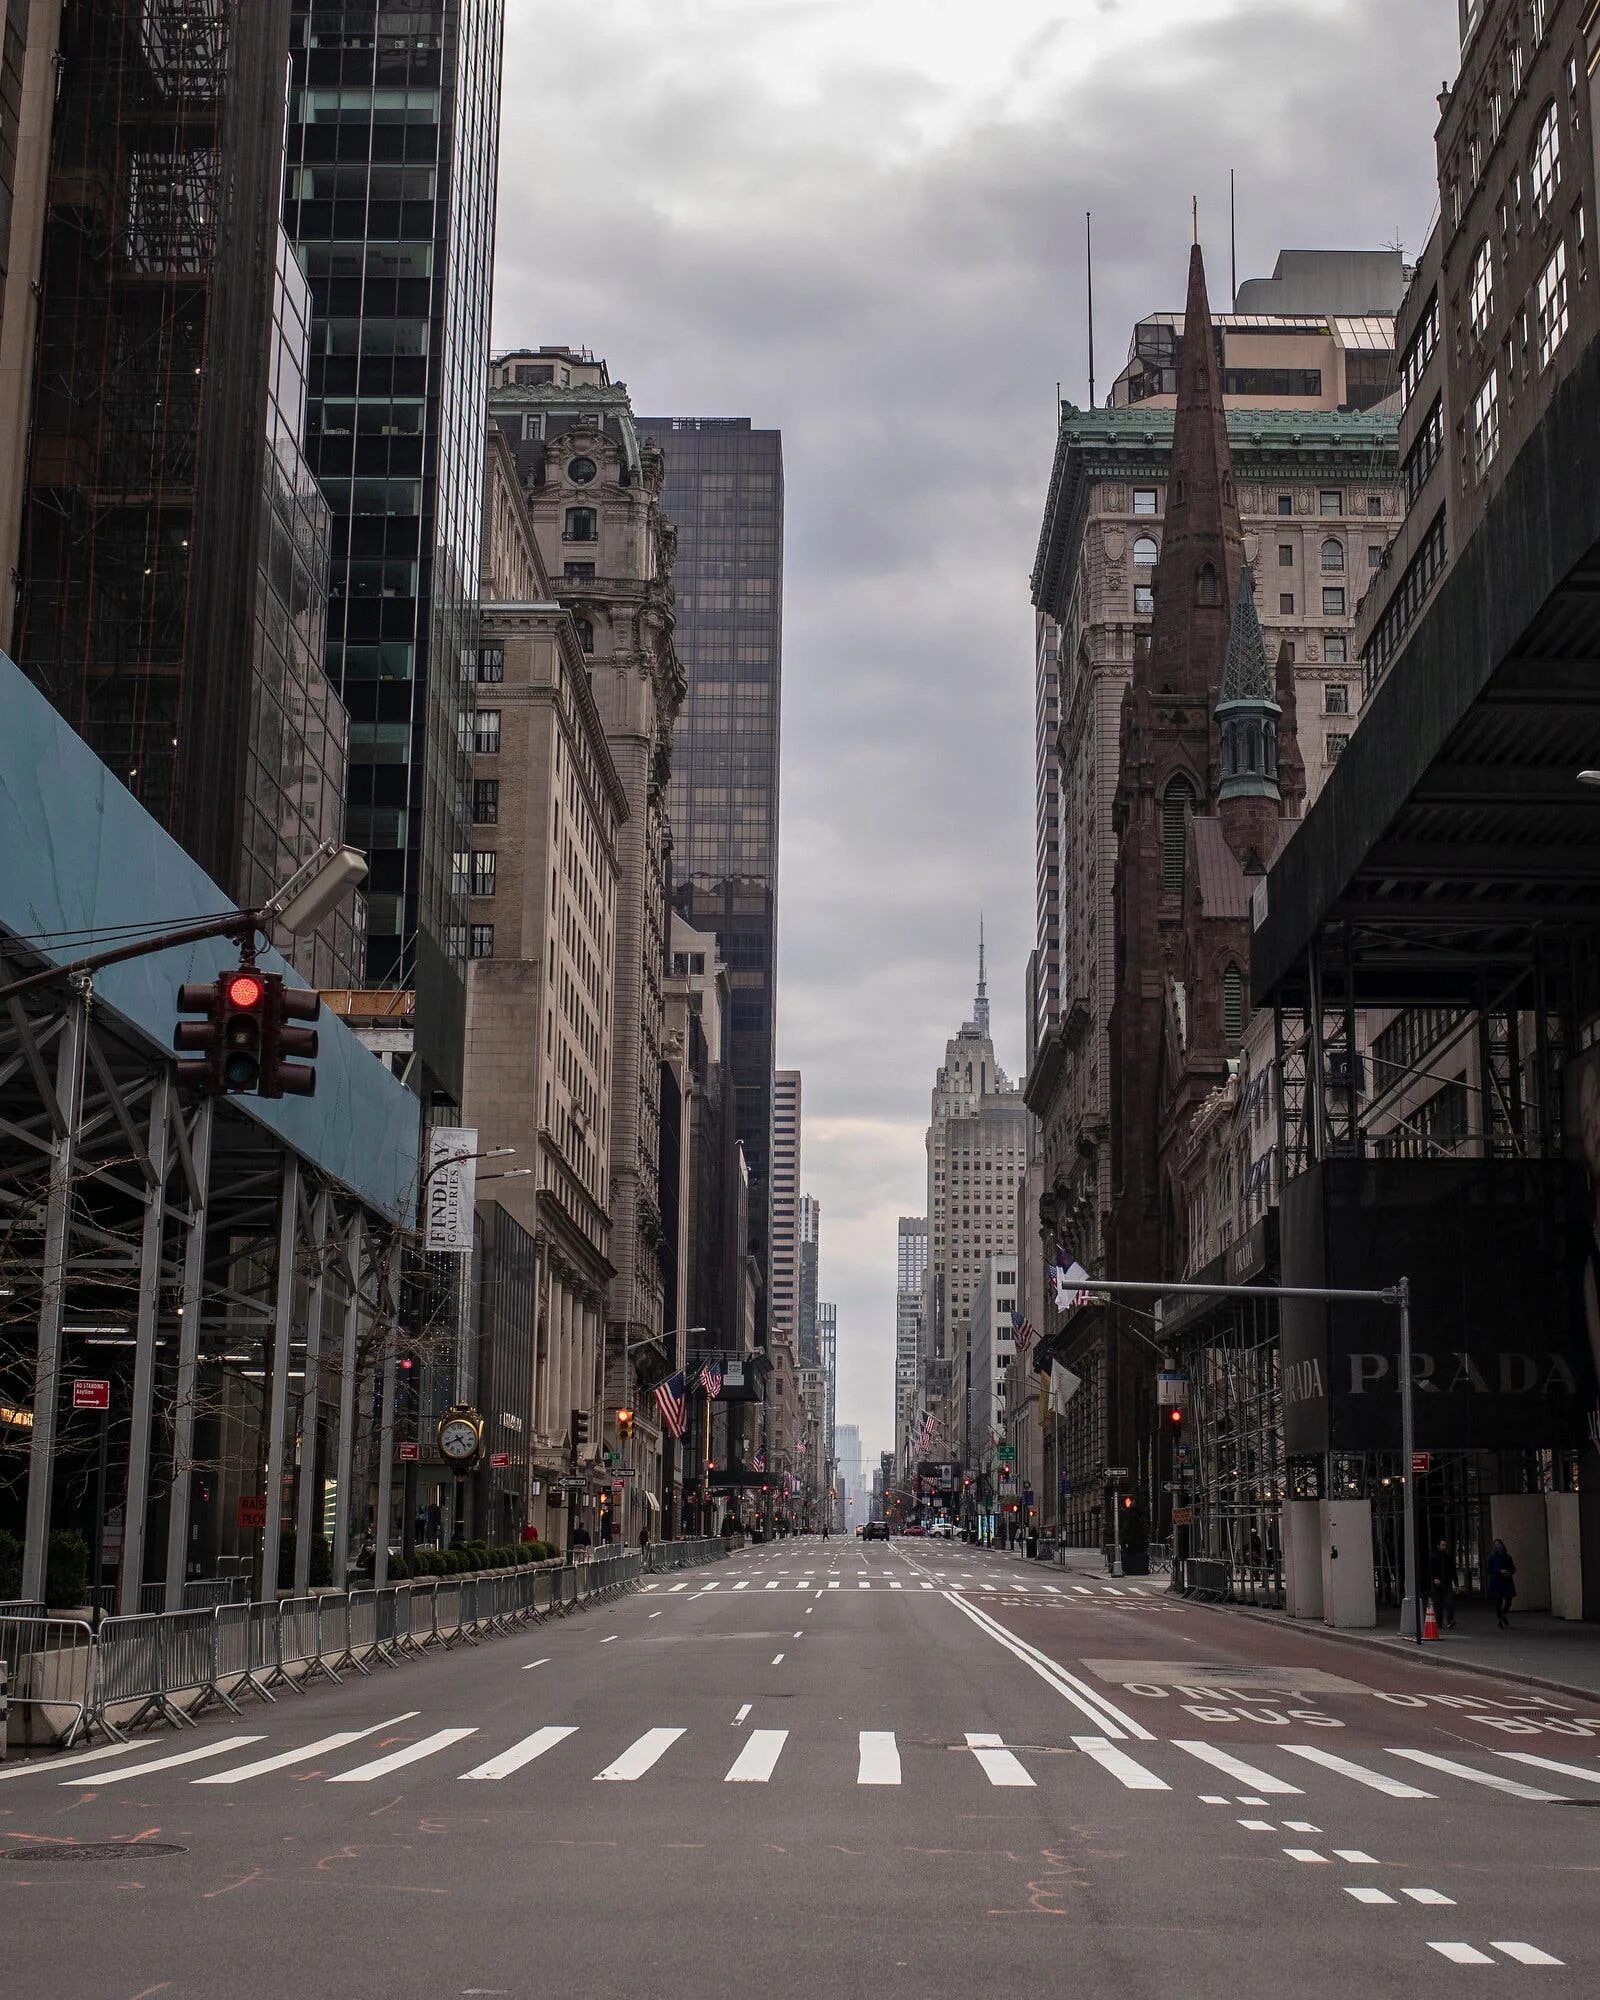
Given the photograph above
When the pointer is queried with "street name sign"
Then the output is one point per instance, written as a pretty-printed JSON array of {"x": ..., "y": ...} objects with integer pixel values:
[{"x": 1115, "y": 1472}]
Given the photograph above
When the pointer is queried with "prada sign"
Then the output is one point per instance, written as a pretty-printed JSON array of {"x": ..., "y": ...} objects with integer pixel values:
[{"x": 1495, "y": 1254}]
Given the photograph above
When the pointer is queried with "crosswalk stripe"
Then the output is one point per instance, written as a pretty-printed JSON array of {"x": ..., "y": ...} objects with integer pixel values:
[
  {"x": 323, "y": 1746},
  {"x": 1052, "y": 1589},
  {"x": 673, "y": 1591},
  {"x": 1524, "y": 1954},
  {"x": 865, "y": 1585},
  {"x": 897, "y": 1586},
  {"x": 218, "y": 1749},
  {"x": 522, "y": 1753},
  {"x": 704, "y": 1588},
  {"x": 638, "y": 1758},
  {"x": 1433, "y": 1899},
  {"x": 1363, "y": 1894},
  {"x": 1125, "y": 1769},
  {"x": 773, "y": 1585},
  {"x": 1378, "y": 1781},
  {"x": 1590, "y": 1773},
  {"x": 1492, "y": 1779},
  {"x": 988, "y": 1587},
  {"x": 1462, "y": 1954},
  {"x": 410, "y": 1753},
  {"x": 879, "y": 1758},
  {"x": 1258, "y": 1781},
  {"x": 1082, "y": 1590},
  {"x": 754, "y": 1763},
  {"x": 833, "y": 1583},
  {"x": 927, "y": 1586},
  {"x": 745, "y": 1585},
  {"x": 1000, "y": 1765},
  {"x": 63, "y": 1763}
]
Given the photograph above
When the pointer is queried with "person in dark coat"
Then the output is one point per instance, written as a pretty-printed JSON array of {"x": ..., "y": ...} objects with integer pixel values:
[
  {"x": 1442, "y": 1581},
  {"x": 1502, "y": 1583}
]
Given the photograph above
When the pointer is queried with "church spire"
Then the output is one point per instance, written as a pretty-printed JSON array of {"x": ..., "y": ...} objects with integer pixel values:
[
  {"x": 980, "y": 1009},
  {"x": 1247, "y": 713}
]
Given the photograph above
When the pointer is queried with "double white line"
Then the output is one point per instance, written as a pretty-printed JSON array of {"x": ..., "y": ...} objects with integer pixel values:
[{"x": 1110, "y": 1721}]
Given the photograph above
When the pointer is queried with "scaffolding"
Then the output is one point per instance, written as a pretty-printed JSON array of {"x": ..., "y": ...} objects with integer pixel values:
[{"x": 1236, "y": 1474}]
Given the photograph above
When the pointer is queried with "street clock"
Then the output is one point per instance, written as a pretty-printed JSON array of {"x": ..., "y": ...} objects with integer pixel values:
[{"x": 460, "y": 1435}]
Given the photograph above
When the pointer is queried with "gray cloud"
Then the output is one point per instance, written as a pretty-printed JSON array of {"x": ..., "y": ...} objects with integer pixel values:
[{"x": 742, "y": 233}]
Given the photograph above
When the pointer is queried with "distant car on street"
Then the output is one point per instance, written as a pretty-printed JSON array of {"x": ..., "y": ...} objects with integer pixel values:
[
  {"x": 943, "y": 1531},
  {"x": 913, "y": 1528},
  {"x": 875, "y": 1531}
]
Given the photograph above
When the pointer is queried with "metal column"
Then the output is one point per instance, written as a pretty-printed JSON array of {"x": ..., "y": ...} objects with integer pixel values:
[
  {"x": 380, "y": 1525},
  {"x": 194, "y": 1269},
  {"x": 344, "y": 1448},
  {"x": 137, "y": 1501},
  {"x": 278, "y": 1394},
  {"x": 65, "y": 1114},
  {"x": 310, "y": 1397}
]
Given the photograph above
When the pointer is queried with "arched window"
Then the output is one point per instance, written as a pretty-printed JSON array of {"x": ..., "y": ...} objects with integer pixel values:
[
  {"x": 1544, "y": 167},
  {"x": 585, "y": 630},
  {"x": 1207, "y": 589},
  {"x": 1332, "y": 557},
  {"x": 1232, "y": 1005},
  {"x": 583, "y": 525},
  {"x": 1145, "y": 552},
  {"x": 1177, "y": 802},
  {"x": 1481, "y": 293}
]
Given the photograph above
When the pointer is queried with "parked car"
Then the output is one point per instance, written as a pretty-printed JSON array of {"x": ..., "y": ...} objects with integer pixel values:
[{"x": 944, "y": 1531}]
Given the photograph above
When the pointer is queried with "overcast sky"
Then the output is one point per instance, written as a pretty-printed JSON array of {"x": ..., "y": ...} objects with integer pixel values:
[{"x": 861, "y": 221}]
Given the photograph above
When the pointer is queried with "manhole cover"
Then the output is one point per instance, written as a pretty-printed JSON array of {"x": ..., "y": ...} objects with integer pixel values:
[{"x": 88, "y": 1850}]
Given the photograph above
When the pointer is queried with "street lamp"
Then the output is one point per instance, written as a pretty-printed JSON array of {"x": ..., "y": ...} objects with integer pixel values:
[{"x": 1589, "y": 777}]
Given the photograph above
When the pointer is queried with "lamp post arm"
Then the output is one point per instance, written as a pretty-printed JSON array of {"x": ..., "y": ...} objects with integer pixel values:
[{"x": 241, "y": 925}]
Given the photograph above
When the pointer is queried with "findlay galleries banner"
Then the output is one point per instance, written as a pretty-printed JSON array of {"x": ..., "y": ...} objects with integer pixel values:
[{"x": 1494, "y": 1252}]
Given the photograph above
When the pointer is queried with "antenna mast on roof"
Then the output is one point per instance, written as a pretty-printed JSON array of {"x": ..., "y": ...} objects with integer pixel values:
[
  {"x": 1088, "y": 238},
  {"x": 1233, "y": 248}
]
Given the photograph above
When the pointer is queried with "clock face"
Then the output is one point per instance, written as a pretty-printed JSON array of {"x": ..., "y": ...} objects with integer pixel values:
[{"x": 458, "y": 1438}]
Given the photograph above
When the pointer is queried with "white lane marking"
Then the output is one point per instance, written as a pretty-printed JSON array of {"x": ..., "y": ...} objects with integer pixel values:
[
  {"x": 650, "y": 1748},
  {"x": 1258, "y": 1826},
  {"x": 1356, "y": 1857},
  {"x": 321, "y": 1748},
  {"x": 1432, "y": 1899},
  {"x": 66, "y": 1763},
  {"x": 528, "y": 1669},
  {"x": 1362, "y": 1895},
  {"x": 522, "y": 1753},
  {"x": 1490, "y": 1778},
  {"x": 879, "y": 1758},
  {"x": 777, "y": 1659},
  {"x": 1082, "y": 1590},
  {"x": 1245, "y": 1800},
  {"x": 988, "y": 1587},
  {"x": 1108, "y": 1720},
  {"x": 1461, "y": 1954},
  {"x": 412, "y": 1753},
  {"x": 745, "y": 1585},
  {"x": 927, "y": 1586},
  {"x": 610, "y": 1639},
  {"x": 834, "y": 1585},
  {"x": 653, "y": 1614},
  {"x": 218, "y": 1749},
  {"x": 1000, "y": 1766},
  {"x": 1300, "y": 1826},
  {"x": 1111, "y": 1590},
  {"x": 754, "y": 1763},
  {"x": 865, "y": 1585},
  {"x": 1524, "y": 1954},
  {"x": 1050, "y": 1587},
  {"x": 741, "y": 1715},
  {"x": 1122, "y": 1767},
  {"x": 897, "y": 1586},
  {"x": 1235, "y": 1767},
  {"x": 773, "y": 1585},
  {"x": 1212, "y": 1799},
  {"x": 1306, "y": 1854},
  {"x": 704, "y": 1588},
  {"x": 675, "y": 1588},
  {"x": 1378, "y": 1781},
  {"x": 1590, "y": 1773},
  {"x": 649, "y": 1587}
]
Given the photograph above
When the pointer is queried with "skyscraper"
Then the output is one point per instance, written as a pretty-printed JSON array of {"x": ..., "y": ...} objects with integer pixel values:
[
  {"x": 783, "y": 1309},
  {"x": 810, "y": 1259},
  {"x": 724, "y": 494},
  {"x": 911, "y": 1270},
  {"x": 390, "y": 200}
]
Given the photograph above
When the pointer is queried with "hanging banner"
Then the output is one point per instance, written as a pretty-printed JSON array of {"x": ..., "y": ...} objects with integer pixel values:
[{"x": 450, "y": 1187}]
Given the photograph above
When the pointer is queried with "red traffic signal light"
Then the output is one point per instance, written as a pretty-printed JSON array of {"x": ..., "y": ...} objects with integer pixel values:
[
  {"x": 1175, "y": 1418},
  {"x": 243, "y": 1019},
  {"x": 1127, "y": 1501},
  {"x": 281, "y": 1076},
  {"x": 243, "y": 989}
]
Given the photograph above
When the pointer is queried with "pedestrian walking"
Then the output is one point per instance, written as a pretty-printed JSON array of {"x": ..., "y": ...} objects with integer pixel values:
[
  {"x": 1442, "y": 1581},
  {"x": 1502, "y": 1583}
]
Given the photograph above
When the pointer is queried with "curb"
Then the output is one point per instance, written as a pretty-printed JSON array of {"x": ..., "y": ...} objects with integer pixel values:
[{"x": 1415, "y": 1656}]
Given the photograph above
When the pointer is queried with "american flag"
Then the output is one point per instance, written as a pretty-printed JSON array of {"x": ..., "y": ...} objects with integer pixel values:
[
  {"x": 1024, "y": 1333},
  {"x": 759, "y": 1462},
  {"x": 925, "y": 1437},
  {"x": 711, "y": 1379},
  {"x": 672, "y": 1400}
]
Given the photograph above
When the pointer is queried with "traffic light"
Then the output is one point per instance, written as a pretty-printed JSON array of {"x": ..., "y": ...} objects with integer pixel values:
[
  {"x": 1127, "y": 1503},
  {"x": 244, "y": 1012},
  {"x": 580, "y": 1428},
  {"x": 281, "y": 1076},
  {"x": 1175, "y": 1419},
  {"x": 202, "y": 1070},
  {"x": 624, "y": 1423}
]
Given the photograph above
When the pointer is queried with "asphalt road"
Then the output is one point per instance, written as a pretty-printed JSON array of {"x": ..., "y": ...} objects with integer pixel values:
[{"x": 836, "y": 1767}]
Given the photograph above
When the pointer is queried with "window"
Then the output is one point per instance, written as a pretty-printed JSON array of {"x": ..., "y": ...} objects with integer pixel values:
[
  {"x": 1177, "y": 803},
  {"x": 1374, "y": 555},
  {"x": 1486, "y": 423},
  {"x": 1333, "y": 603},
  {"x": 1232, "y": 1005},
  {"x": 1144, "y": 499},
  {"x": 485, "y": 801},
  {"x": 584, "y": 627},
  {"x": 1272, "y": 382},
  {"x": 1375, "y": 505},
  {"x": 1332, "y": 557},
  {"x": 1481, "y": 292},
  {"x": 460, "y": 870},
  {"x": 1551, "y": 300},
  {"x": 1580, "y": 237},
  {"x": 1330, "y": 501},
  {"x": 1544, "y": 169},
  {"x": 491, "y": 663},
  {"x": 1144, "y": 600},
  {"x": 1333, "y": 649},
  {"x": 481, "y": 941},
  {"x": 483, "y": 865},
  {"x": 1425, "y": 451},
  {"x": 1207, "y": 589},
  {"x": 1286, "y": 555},
  {"x": 1421, "y": 574},
  {"x": 1285, "y": 603},
  {"x": 577, "y": 572},
  {"x": 1419, "y": 350},
  {"x": 1336, "y": 699},
  {"x": 583, "y": 525},
  {"x": 1518, "y": 61},
  {"x": 486, "y": 732},
  {"x": 1538, "y": 10},
  {"x": 1145, "y": 552},
  {"x": 1285, "y": 504},
  {"x": 1333, "y": 745}
]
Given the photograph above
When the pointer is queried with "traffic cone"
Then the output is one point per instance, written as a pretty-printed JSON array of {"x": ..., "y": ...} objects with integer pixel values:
[{"x": 1430, "y": 1624}]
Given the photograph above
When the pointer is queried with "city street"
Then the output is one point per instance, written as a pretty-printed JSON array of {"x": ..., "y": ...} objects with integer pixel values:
[{"x": 866, "y": 1768}]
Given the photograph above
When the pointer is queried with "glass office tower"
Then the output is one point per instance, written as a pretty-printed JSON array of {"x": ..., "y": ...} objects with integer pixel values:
[
  {"x": 389, "y": 198},
  {"x": 724, "y": 494}
]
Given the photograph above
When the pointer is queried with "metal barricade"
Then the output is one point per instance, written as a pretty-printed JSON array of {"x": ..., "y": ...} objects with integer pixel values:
[
  {"x": 231, "y": 1663},
  {"x": 361, "y": 1631},
  {"x": 127, "y": 1673},
  {"x": 383, "y": 1646},
  {"x": 300, "y": 1639},
  {"x": 50, "y": 1672},
  {"x": 447, "y": 1613}
]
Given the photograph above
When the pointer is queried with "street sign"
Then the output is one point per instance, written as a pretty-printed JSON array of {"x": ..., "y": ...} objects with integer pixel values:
[
  {"x": 252, "y": 1510},
  {"x": 1182, "y": 1516},
  {"x": 410, "y": 1453},
  {"x": 499, "y": 1460},
  {"x": 1420, "y": 1461},
  {"x": 1115, "y": 1472},
  {"x": 1005, "y": 1454},
  {"x": 87, "y": 1395}
]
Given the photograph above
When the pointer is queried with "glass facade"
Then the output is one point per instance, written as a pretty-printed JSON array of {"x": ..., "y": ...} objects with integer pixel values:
[
  {"x": 390, "y": 199},
  {"x": 724, "y": 495}
]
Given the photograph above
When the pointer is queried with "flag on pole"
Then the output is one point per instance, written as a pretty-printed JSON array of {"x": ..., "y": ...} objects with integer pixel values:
[
  {"x": 1024, "y": 1333},
  {"x": 759, "y": 1462},
  {"x": 1071, "y": 1283},
  {"x": 672, "y": 1400},
  {"x": 1063, "y": 1386},
  {"x": 711, "y": 1379}
]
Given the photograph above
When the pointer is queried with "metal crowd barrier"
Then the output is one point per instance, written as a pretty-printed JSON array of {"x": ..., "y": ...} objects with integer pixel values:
[{"x": 50, "y": 1670}]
